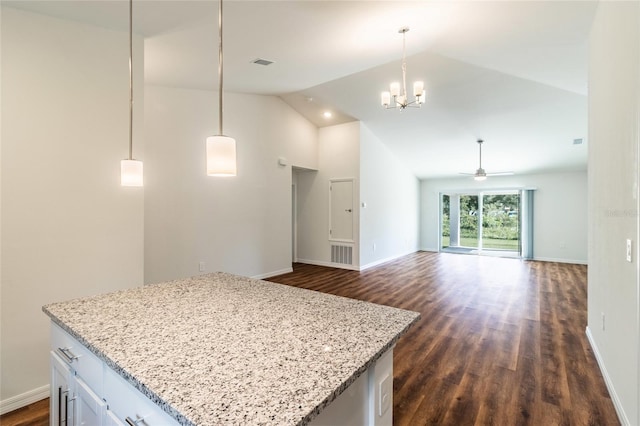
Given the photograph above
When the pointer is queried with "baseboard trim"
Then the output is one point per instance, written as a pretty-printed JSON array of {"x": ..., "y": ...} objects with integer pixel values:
[
  {"x": 385, "y": 260},
  {"x": 624, "y": 420},
  {"x": 551, "y": 259},
  {"x": 432, "y": 250},
  {"x": 273, "y": 274},
  {"x": 24, "y": 399},
  {"x": 329, "y": 264}
]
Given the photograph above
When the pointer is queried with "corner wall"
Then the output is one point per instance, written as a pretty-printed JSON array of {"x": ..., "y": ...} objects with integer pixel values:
[
  {"x": 389, "y": 224},
  {"x": 614, "y": 138},
  {"x": 560, "y": 206},
  {"x": 240, "y": 224},
  {"x": 68, "y": 228}
]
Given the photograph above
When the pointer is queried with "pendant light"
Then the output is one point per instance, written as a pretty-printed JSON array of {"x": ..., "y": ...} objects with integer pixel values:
[
  {"x": 130, "y": 169},
  {"x": 221, "y": 149}
]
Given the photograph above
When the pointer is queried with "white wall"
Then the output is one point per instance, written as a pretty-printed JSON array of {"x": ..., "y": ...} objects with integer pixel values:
[
  {"x": 614, "y": 138},
  {"x": 240, "y": 225},
  {"x": 560, "y": 211},
  {"x": 68, "y": 228},
  {"x": 338, "y": 157},
  {"x": 391, "y": 193}
]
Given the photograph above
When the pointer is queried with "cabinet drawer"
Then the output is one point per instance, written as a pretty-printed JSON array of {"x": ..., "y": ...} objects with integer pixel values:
[
  {"x": 78, "y": 357},
  {"x": 126, "y": 401}
]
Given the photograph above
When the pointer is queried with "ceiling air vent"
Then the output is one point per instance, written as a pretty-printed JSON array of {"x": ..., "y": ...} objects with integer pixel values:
[
  {"x": 577, "y": 141},
  {"x": 260, "y": 61}
]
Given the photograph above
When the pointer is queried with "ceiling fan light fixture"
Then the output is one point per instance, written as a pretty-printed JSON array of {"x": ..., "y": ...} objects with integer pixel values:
[{"x": 480, "y": 175}]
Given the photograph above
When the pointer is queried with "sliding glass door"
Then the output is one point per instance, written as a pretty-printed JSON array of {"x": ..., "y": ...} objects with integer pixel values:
[
  {"x": 483, "y": 222},
  {"x": 500, "y": 224},
  {"x": 459, "y": 222}
]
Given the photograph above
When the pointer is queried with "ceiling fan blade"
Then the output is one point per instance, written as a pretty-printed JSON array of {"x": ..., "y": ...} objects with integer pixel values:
[
  {"x": 466, "y": 174},
  {"x": 500, "y": 174}
]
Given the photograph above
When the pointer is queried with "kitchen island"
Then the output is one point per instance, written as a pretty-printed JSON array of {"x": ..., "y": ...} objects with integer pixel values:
[{"x": 223, "y": 349}]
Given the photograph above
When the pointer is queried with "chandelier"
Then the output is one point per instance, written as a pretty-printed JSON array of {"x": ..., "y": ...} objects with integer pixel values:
[{"x": 397, "y": 96}]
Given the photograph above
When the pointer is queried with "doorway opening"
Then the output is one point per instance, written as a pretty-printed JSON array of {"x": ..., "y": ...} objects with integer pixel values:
[{"x": 486, "y": 223}]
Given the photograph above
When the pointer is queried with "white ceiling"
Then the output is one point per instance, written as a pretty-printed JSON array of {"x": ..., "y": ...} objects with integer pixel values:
[{"x": 511, "y": 72}]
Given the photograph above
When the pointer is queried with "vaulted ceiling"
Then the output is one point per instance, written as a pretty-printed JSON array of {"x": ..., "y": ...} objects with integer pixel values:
[{"x": 513, "y": 73}]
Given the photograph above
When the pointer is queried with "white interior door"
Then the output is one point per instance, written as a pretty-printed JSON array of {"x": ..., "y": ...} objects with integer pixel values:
[{"x": 341, "y": 220}]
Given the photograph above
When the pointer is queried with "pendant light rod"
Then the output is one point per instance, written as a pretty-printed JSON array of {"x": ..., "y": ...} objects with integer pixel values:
[
  {"x": 221, "y": 150},
  {"x": 220, "y": 66},
  {"x": 480, "y": 147},
  {"x": 404, "y": 30},
  {"x": 131, "y": 171},
  {"x": 130, "y": 79}
]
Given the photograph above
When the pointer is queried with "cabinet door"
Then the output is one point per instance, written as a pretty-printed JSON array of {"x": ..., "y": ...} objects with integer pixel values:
[
  {"x": 89, "y": 408},
  {"x": 60, "y": 410},
  {"x": 110, "y": 419}
]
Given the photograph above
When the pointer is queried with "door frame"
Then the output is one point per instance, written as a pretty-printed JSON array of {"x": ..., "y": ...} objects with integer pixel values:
[{"x": 353, "y": 216}]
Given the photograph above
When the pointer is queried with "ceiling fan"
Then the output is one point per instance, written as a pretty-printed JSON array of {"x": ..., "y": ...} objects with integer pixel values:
[{"x": 481, "y": 174}]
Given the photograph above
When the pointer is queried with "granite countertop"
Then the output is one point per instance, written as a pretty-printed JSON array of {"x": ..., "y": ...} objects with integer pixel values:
[{"x": 224, "y": 349}]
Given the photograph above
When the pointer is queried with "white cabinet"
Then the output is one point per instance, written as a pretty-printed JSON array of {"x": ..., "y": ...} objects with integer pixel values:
[
  {"x": 61, "y": 392},
  {"x": 84, "y": 391}
]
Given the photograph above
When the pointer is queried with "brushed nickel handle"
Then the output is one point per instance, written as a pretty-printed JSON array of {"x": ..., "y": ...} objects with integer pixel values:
[
  {"x": 132, "y": 422},
  {"x": 67, "y": 354}
]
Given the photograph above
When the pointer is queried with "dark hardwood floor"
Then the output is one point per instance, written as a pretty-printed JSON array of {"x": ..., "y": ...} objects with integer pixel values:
[
  {"x": 500, "y": 341},
  {"x": 36, "y": 414}
]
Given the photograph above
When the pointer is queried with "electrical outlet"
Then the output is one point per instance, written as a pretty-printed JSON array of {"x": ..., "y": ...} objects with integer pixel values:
[
  {"x": 385, "y": 394},
  {"x": 201, "y": 266},
  {"x": 629, "y": 245}
]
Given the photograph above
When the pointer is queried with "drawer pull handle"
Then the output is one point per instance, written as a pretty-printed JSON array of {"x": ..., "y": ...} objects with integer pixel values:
[
  {"x": 67, "y": 354},
  {"x": 132, "y": 422}
]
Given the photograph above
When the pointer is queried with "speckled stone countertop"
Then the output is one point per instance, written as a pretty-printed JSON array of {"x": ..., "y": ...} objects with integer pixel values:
[{"x": 224, "y": 349}]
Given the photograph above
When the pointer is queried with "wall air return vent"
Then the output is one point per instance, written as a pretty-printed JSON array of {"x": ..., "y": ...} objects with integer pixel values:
[{"x": 342, "y": 254}]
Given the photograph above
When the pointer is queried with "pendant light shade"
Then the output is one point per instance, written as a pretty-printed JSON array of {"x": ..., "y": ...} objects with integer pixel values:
[
  {"x": 131, "y": 173},
  {"x": 221, "y": 156},
  {"x": 221, "y": 149},
  {"x": 130, "y": 169}
]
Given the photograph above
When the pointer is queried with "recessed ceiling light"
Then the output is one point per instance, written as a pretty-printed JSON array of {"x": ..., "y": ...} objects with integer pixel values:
[
  {"x": 327, "y": 114},
  {"x": 260, "y": 61}
]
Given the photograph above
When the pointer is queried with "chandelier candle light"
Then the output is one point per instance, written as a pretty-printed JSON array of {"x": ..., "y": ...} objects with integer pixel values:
[
  {"x": 221, "y": 150},
  {"x": 397, "y": 96},
  {"x": 130, "y": 169}
]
